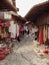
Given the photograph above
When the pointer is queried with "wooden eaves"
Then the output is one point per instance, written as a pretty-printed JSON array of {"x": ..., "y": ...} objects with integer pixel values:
[
  {"x": 5, "y": 4},
  {"x": 37, "y": 11}
]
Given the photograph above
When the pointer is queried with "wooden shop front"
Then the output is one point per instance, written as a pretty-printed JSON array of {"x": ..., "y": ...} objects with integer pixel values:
[
  {"x": 43, "y": 24},
  {"x": 39, "y": 15}
]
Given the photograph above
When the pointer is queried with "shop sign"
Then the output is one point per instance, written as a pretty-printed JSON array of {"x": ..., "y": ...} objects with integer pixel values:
[{"x": 5, "y": 15}]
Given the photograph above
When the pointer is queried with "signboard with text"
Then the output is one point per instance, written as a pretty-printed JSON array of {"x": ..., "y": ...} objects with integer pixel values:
[{"x": 5, "y": 15}]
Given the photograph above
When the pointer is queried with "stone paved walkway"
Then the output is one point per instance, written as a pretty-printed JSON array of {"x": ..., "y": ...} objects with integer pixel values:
[{"x": 23, "y": 54}]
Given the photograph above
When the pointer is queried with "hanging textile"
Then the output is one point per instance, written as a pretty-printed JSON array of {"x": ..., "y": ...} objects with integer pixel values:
[
  {"x": 44, "y": 34},
  {"x": 0, "y": 23},
  {"x": 48, "y": 32},
  {"x": 41, "y": 36},
  {"x": 12, "y": 29}
]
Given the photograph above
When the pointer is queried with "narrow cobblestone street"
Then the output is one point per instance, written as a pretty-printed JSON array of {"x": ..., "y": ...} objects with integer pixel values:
[{"x": 23, "y": 54}]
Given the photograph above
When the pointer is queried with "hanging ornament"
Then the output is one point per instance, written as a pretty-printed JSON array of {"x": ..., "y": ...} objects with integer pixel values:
[{"x": 7, "y": 24}]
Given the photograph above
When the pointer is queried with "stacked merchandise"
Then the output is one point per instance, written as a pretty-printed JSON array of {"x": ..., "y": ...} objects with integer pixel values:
[
  {"x": 4, "y": 51},
  {"x": 5, "y": 43}
]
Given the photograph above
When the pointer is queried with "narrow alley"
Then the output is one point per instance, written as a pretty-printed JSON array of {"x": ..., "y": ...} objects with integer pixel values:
[
  {"x": 24, "y": 32},
  {"x": 23, "y": 54}
]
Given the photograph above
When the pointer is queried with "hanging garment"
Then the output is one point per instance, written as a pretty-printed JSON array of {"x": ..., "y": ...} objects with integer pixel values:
[
  {"x": 0, "y": 23},
  {"x": 44, "y": 34},
  {"x": 12, "y": 29},
  {"x": 17, "y": 30},
  {"x": 41, "y": 36}
]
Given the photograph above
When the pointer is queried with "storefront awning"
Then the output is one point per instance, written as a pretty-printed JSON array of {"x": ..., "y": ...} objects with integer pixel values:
[{"x": 37, "y": 11}]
